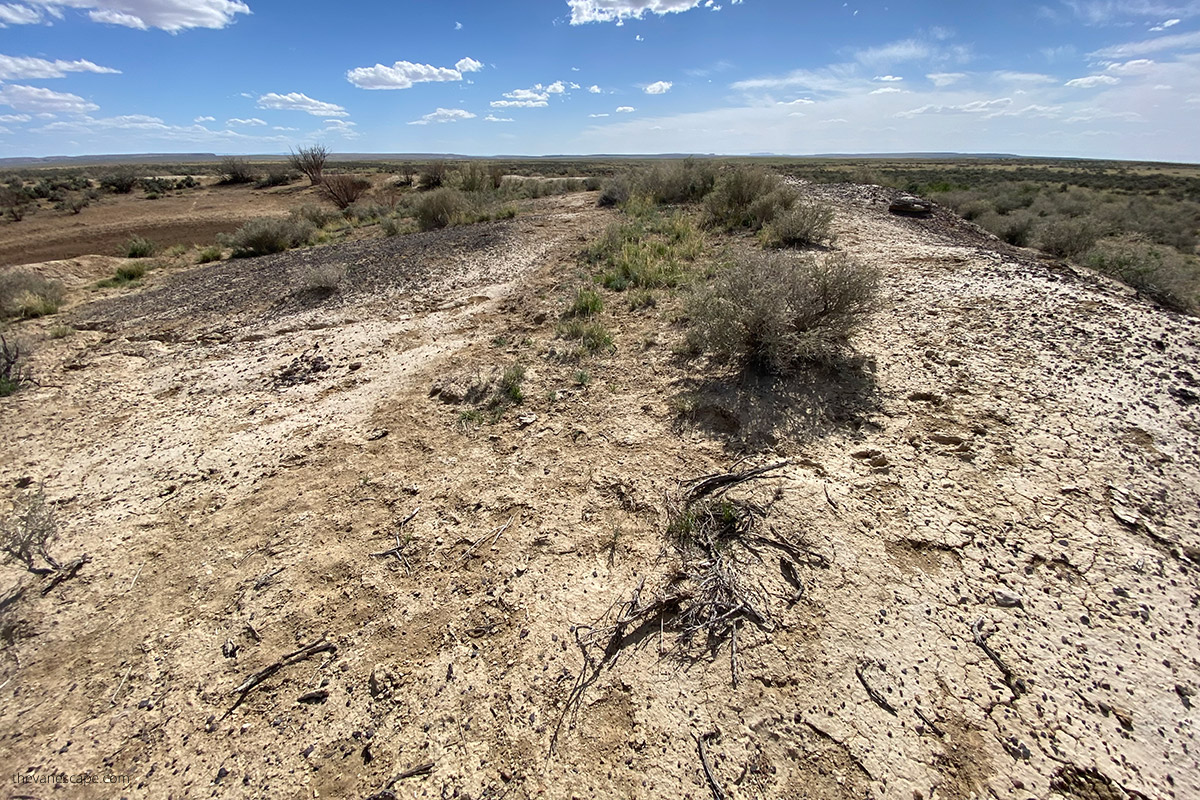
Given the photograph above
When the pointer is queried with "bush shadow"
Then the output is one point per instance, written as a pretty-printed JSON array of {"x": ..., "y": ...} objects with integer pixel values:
[{"x": 752, "y": 412}]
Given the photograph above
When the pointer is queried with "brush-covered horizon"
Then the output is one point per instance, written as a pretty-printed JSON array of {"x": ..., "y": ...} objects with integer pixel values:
[{"x": 1077, "y": 79}]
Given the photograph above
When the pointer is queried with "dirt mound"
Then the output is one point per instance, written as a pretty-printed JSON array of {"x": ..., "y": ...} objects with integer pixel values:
[{"x": 328, "y": 560}]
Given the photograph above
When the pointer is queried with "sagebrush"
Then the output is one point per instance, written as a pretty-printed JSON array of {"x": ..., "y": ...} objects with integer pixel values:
[{"x": 774, "y": 312}]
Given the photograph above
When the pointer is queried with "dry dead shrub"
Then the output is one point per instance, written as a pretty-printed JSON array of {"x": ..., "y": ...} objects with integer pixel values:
[
  {"x": 773, "y": 312},
  {"x": 343, "y": 190},
  {"x": 268, "y": 235},
  {"x": 310, "y": 161},
  {"x": 27, "y": 533}
]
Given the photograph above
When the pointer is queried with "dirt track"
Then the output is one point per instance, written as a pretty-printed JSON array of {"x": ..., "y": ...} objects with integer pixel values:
[{"x": 1012, "y": 461}]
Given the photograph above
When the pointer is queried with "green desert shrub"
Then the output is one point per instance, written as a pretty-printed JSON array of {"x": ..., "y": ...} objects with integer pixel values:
[
  {"x": 1068, "y": 237},
  {"x": 139, "y": 247},
  {"x": 119, "y": 181},
  {"x": 440, "y": 208},
  {"x": 1015, "y": 228},
  {"x": 616, "y": 192},
  {"x": 276, "y": 177},
  {"x": 233, "y": 171},
  {"x": 1157, "y": 271},
  {"x": 268, "y": 235},
  {"x": 747, "y": 198},
  {"x": 316, "y": 216},
  {"x": 674, "y": 182},
  {"x": 125, "y": 274},
  {"x": 805, "y": 223},
  {"x": 772, "y": 312},
  {"x": 25, "y": 295},
  {"x": 209, "y": 254}
]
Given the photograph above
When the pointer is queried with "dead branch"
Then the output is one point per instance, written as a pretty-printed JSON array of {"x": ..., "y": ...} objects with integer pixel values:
[
  {"x": 420, "y": 769},
  {"x": 1016, "y": 685},
  {"x": 928, "y": 722},
  {"x": 724, "y": 480},
  {"x": 66, "y": 573},
  {"x": 296, "y": 656},
  {"x": 265, "y": 579},
  {"x": 875, "y": 696},
  {"x": 495, "y": 533},
  {"x": 717, "y": 791}
]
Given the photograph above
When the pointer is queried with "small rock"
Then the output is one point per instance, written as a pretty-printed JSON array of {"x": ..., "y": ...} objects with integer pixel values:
[
  {"x": 229, "y": 649},
  {"x": 911, "y": 206},
  {"x": 376, "y": 434},
  {"x": 946, "y": 438},
  {"x": 1006, "y": 599},
  {"x": 526, "y": 420},
  {"x": 318, "y": 696}
]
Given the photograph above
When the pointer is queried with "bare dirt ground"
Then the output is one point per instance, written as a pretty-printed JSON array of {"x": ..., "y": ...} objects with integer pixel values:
[
  {"x": 978, "y": 577},
  {"x": 189, "y": 217}
]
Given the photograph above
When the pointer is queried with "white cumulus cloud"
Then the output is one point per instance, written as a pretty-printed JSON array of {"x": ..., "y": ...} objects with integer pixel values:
[
  {"x": 13, "y": 14},
  {"x": 13, "y": 67},
  {"x": 252, "y": 121},
  {"x": 199, "y": 120},
  {"x": 945, "y": 78},
  {"x": 168, "y": 15},
  {"x": 494, "y": 118},
  {"x": 594, "y": 89},
  {"x": 659, "y": 87},
  {"x": 295, "y": 101},
  {"x": 1092, "y": 81},
  {"x": 444, "y": 115},
  {"x": 626, "y": 109},
  {"x": 30, "y": 98},
  {"x": 403, "y": 74},
  {"x": 7, "y": 118},
  {"x": 887, "y": 78},
  {"x": 585, "y": 11}
]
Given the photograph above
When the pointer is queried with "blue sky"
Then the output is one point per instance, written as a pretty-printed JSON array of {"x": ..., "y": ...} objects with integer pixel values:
[{"x": 1089, "y": 78}]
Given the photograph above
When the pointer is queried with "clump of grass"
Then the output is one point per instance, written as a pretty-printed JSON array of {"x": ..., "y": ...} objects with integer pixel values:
[
  {"x": 642, "y": 298},
  {"x": 587, "y": 302},
  {"x": 593, "y": 337},
  {"x": 582, "y": 378},
  {"x": 802, "y": 225},
  {"x": 139, "y": 247},
  {"x": 125, "y": 274},
  {"x": 209, "y": 254},
  {"x": 772, "y": 313},
  {"x": 60, "y": 331},
  {"x": 645, "y": 254},
  {"x": 26, "y": 295},
  {"x": 268, "y": 235},
  {"x": 509, "y": 389}
]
